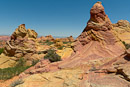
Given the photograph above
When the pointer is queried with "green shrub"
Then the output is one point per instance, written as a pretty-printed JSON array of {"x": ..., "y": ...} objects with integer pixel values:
[
  {"x": 40, "y": 42},
  {"x": 34, "y": 62},
  {"x": 8, "y": 73},
  {"x": 52, "y": 56},
  {"x": 127, "y": 46},
  {"x": 21, "y": 62},
  {"x": 1, "y": 50},
  {"x": 47, "y": 42},
  {"x": 66, "y": 42},
  {"x": 17, "y": 82},
  {"x": 61, "y": 47}
]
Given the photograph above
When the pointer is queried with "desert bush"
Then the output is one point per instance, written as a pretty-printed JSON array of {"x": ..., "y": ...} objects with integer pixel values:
[
  {"x": 17, "y": 82},
  {"x": 34, "y": 62},
  {"x": 40, "y": 41},
  {"x": 47, "y": 42},
  {"x": 127, "y": 46},
  {"x": 61, "y": 47},
  {"x": 21, "y": 62},
  {"x": 52, "y": 56},
  {"x": 8, "y": 73},
  {"x": 67, "y": 42},
  {"x": 1, "y": 50}
]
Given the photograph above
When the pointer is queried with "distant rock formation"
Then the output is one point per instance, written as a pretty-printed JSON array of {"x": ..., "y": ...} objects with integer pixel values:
[
  {"x": 67, "y": 39},
  {"x": 46, "y": 38},
  {"x": 49, "y": 37},
  {"x": 122, "y": 24},
  {"x": 4, "y": 38},
  {"x": 52, "y": 39}
]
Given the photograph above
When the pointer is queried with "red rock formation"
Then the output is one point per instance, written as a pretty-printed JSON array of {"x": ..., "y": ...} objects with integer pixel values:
[
  {"x": 66, "y": 39},
  {"x": 98, "y": 20},
  {"x": 97, "y": 39}
]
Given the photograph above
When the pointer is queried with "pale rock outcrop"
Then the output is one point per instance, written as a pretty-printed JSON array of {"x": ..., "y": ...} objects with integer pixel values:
[
  {"x": 63, "y": 78},
  {"x": 65, "y": 52},
  {"x": 122, "y": 29}
]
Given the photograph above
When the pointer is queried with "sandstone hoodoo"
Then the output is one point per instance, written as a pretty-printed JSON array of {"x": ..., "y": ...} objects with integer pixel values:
[
  {"x": 22, "y": 40},
  {"x": 98, "y": 40}
]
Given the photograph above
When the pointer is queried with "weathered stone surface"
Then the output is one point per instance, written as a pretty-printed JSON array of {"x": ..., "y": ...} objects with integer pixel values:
[
  {"x": 62, "y": 78},
  {"x": 108, "y": 81},
  {"x": 6, "y": 61}
]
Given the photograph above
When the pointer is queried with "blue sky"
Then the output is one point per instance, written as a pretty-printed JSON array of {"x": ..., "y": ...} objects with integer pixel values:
[{"x": 56, "y": 17}]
